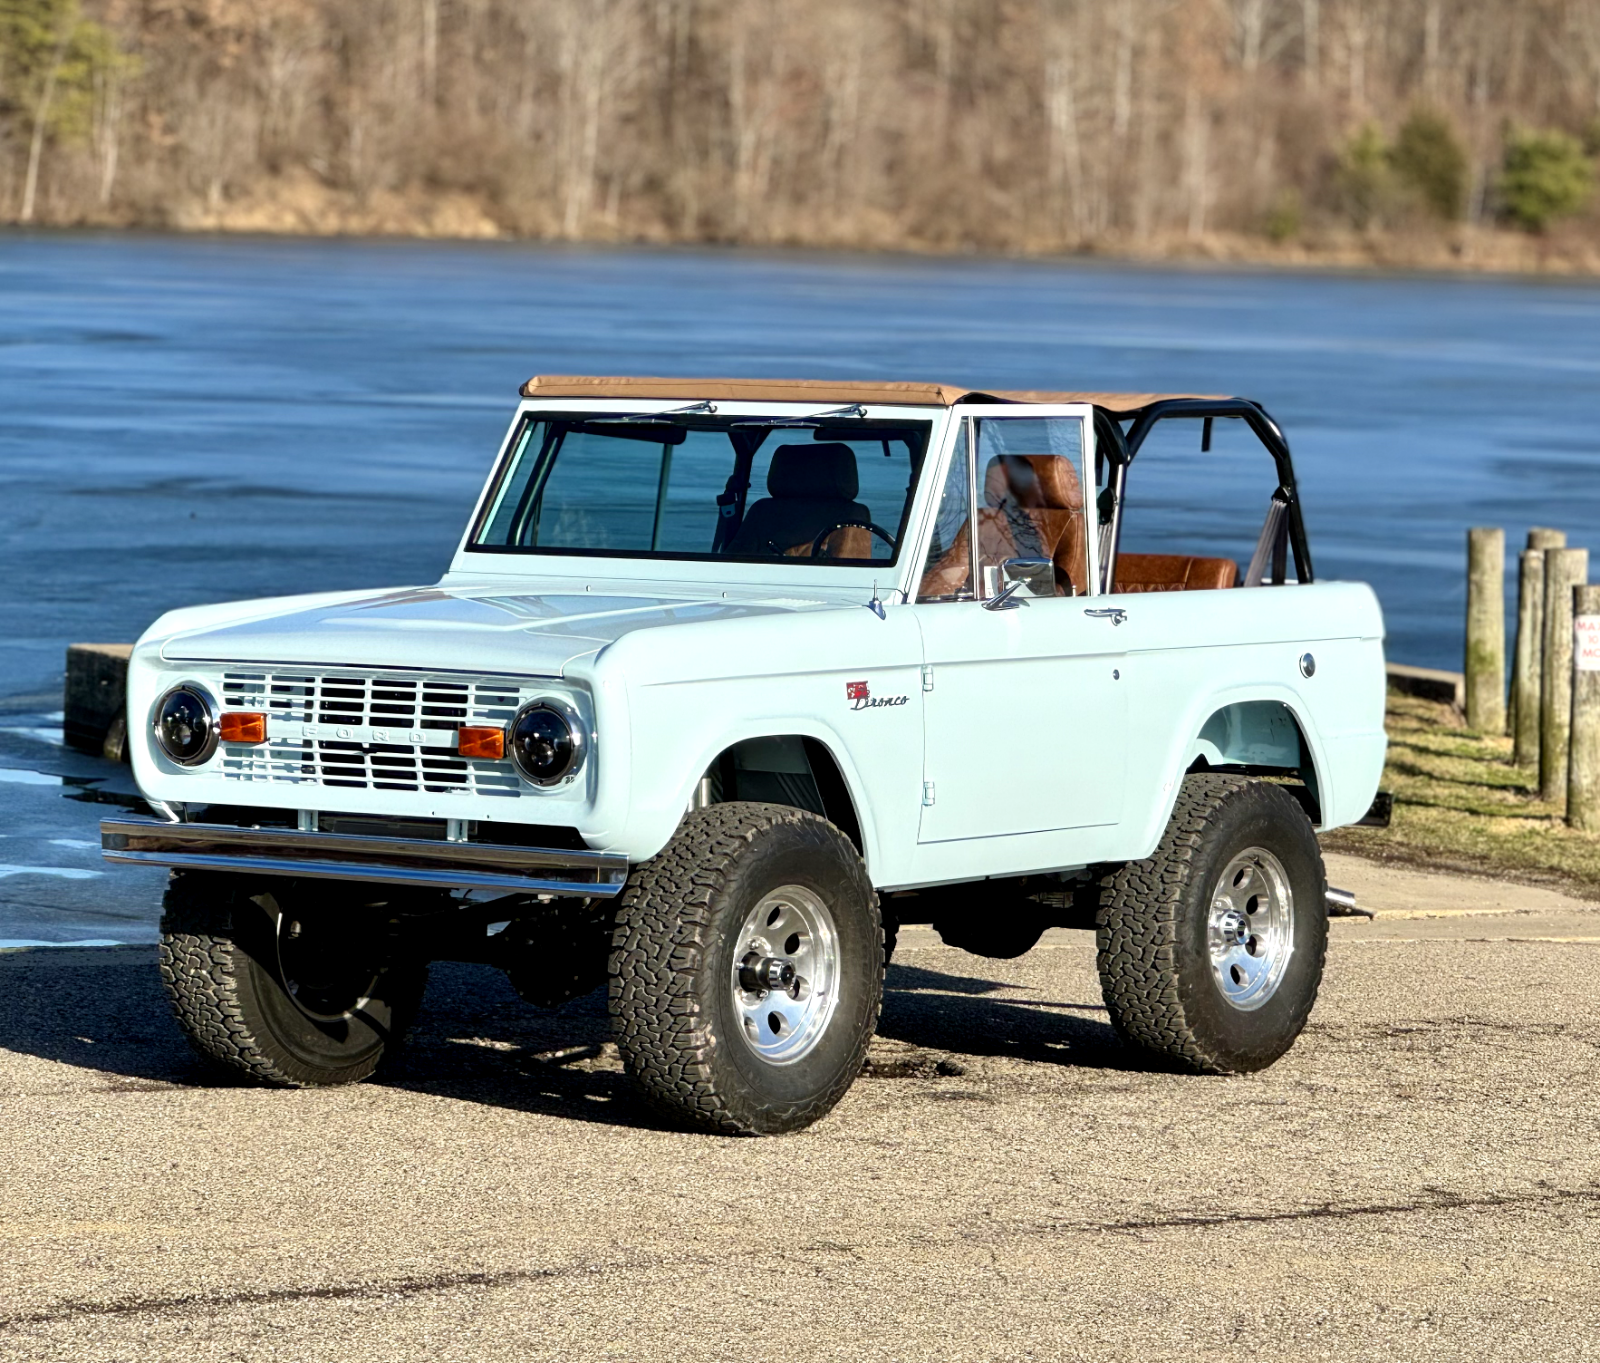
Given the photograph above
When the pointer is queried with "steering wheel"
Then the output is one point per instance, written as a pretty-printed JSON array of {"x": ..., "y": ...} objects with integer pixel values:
[{"x": 877, "y": 530}]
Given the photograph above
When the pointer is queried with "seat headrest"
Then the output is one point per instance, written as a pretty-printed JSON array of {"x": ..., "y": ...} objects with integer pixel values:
[
  {"x": 1040, "y": 482},
  {"x": 824, "y": 472}
]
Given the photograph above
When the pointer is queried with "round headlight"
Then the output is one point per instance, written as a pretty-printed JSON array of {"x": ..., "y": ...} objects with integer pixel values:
[
  {"x": 545, "y": 744},
  {"x": 186, "y": 725}
]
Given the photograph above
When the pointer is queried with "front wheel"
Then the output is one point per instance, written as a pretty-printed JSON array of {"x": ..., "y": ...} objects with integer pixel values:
[
  {"x": 1211, "y": 950},
  {"x": 292, "y": 984},
  {"x": 747, "y": 969}
]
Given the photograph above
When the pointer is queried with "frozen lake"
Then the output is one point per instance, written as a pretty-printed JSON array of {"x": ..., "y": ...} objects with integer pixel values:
[{"x": 193, "y": 420}]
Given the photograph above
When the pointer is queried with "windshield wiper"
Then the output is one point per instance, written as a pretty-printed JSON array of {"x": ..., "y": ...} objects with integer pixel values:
[
  {"x": 855, "y": 409},
  {"x": 661, "y": 418}
]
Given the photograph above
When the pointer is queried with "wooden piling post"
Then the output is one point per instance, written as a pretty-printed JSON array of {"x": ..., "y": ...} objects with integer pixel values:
[
  {"x": 1529, "y": 658},
  {"x": 1486, "y": 630},
  {"x": 1583, "y": 763},
  {"x": 1564, "y": 569},
  {"x": 1522, "y": 717}
]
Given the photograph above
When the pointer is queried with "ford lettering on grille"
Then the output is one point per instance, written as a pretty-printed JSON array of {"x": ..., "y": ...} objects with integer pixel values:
[
  {"x": 356, "y": 729},
  {"x": 289, "y": 731}
]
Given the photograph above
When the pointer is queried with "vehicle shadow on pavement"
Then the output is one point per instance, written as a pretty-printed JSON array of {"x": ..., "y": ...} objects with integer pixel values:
[
  {"x": 103, "y": 1010},
  {"x": 100, "y": 1009},
  {"x": 476, "y": 1041},
  {"x": 969, "y": 1015}
]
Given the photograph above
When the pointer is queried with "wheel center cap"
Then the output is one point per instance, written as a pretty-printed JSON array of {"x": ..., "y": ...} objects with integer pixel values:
[
  {"x": 758, "y": 973},
  {"x": 1233, "y": 927}
]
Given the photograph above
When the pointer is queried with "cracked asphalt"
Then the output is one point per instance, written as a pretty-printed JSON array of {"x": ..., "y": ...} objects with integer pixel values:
[{"x": 1416, "y": 1180}]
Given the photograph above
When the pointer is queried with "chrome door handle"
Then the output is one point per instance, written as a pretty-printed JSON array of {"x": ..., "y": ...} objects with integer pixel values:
[{"x": 1115, "y": 614}]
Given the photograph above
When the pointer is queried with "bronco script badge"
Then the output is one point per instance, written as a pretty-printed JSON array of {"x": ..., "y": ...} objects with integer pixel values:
[{"x": 861, "y": 698}]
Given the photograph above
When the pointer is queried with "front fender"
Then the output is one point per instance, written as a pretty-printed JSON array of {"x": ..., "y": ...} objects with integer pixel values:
[{"x": 695, "y": 690}]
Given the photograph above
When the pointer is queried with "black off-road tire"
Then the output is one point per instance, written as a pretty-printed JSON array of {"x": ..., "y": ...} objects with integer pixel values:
[
  {"x": 1152, "y": 930},
  {"x": 891, "y": 931},
  {"x": 673, "y": 961},
  {"x": 222, "y": 967}
]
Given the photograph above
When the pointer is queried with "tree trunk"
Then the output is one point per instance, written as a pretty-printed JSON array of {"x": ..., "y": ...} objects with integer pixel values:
[
  {"x": 30, "y": 184},
  {"x": 110, "y": 132},
  {"x": 1311, "y": 42}
]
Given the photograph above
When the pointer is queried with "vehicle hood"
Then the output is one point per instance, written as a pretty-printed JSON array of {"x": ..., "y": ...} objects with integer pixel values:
[{"x": 522, "y": 633}]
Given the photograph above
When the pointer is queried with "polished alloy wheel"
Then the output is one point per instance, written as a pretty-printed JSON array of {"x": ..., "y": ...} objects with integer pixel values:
[
  {"x": 785, "y": 974},
  {"x": 1251, "y": 929}
]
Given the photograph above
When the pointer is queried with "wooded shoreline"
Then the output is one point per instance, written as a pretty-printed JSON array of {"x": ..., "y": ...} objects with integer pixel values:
[
  {"x": 1502, "y": 254},
  {"x": 1430, "y": 134}
]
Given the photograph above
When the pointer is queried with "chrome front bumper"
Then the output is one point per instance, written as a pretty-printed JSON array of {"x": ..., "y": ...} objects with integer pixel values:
[{"x": 334, "y": 856}]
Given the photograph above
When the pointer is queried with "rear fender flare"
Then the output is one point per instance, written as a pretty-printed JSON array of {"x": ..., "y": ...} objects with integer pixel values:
[{"x": 1235, "y": 715}]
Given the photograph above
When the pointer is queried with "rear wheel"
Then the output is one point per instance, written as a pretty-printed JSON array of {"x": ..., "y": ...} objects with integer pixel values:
[
  {"x": 747, "y": 969},
  {"x": 292, "y": 984},
  {"x": 1211, "y": 950}
]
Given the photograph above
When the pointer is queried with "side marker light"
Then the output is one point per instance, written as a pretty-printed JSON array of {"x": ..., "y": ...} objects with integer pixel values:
[
  {"x": 484, "y": 742},
  {"x": 243, "y": 726}
]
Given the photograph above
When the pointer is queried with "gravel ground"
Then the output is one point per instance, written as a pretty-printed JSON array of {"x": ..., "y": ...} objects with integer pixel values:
[{"x": 1417, "y": 1179}]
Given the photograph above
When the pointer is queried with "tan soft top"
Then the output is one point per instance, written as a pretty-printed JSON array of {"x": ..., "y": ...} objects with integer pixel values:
[{"x": 824, "y": 391}]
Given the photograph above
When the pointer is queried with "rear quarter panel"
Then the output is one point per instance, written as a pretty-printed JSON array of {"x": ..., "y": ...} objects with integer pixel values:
[{"x": 1191, "y": 653}]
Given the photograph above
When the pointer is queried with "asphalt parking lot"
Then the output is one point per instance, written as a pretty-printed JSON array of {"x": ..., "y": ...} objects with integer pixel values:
[{"x": 1417, "y": 1179}]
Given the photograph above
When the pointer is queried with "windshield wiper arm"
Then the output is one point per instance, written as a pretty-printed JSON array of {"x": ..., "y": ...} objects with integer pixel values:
[
  {"x": 664, "y": 418},
  {"x": 855, "y": 409}
]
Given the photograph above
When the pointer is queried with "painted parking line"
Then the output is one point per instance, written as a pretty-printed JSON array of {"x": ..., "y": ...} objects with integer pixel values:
[{"x": 1394, "y": 941}]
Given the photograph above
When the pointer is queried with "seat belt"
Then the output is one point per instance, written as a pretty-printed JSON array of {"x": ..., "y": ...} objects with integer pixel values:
[
  {"x": 727, "y": 509},
  {"x": 1273, "y": 545},
  {"x": 1105, "y": 509},
  {"x": 731, "y": 502}
]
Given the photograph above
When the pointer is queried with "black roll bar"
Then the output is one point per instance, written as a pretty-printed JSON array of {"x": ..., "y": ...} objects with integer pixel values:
[{"x": 1267, "y": 432}]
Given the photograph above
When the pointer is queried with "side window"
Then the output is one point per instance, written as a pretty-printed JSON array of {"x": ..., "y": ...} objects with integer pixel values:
[
  {"x": 947, "y": 574},
  {"x": 1031, "y": 524}
]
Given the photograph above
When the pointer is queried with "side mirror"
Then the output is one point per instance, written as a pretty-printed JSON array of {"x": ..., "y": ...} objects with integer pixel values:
[{"x": 1034, "y": 576}]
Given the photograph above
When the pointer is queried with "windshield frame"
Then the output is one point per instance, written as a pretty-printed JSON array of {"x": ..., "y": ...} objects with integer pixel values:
[{"x": 633, "y": 565}]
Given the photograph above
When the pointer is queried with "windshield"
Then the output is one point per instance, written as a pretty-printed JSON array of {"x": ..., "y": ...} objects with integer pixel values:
[{"x": 740, "y": 488}]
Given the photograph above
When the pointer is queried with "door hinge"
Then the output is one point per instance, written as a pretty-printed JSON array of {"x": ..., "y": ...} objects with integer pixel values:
[
  {"x": 927, "y": 793},
  {"x": 927, "y": 677}
]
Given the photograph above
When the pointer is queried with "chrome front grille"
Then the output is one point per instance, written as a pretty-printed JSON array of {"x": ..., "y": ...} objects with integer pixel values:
[{"x": 360, "y": 730}]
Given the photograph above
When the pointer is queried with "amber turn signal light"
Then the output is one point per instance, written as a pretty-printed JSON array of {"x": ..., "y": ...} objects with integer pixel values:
[
  {"x": 243, "y": 726},
  {"x": 473, "y": 742}
]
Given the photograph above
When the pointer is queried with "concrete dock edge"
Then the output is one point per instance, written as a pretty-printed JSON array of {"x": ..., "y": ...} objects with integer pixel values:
[
  {"x": 92, "y": 703},
  {"x": 1428, "y": 683}
]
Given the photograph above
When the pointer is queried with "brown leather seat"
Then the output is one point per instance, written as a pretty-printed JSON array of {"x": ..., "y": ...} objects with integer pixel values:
[
  {"x": 1173, "y": 573},
  {"x": 1033, "y": 508},
  {"x": 810, "y": 489}
]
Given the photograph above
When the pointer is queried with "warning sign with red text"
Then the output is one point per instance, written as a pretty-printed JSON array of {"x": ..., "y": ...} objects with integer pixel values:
[{"x": 1586, "y": 643}]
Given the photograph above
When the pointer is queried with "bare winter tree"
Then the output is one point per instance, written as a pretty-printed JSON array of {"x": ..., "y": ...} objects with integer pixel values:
[{"x": 1001, "y": 124}]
